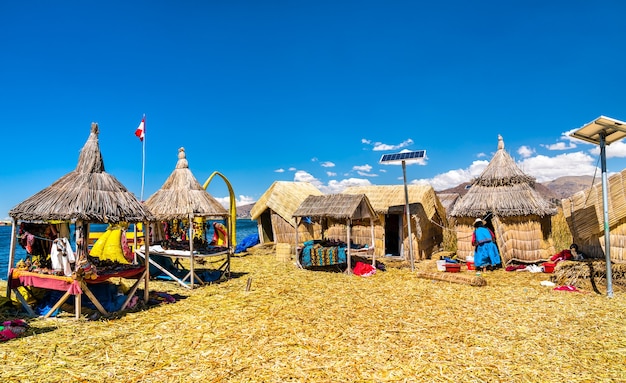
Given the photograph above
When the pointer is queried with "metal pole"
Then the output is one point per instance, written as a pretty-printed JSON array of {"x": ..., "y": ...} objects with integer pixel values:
[
  {"x": 408, "y": 216},
  {"x": 607, "y": 232}
]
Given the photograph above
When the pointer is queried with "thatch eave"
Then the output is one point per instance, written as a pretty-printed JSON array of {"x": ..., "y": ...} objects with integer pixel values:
[{"x": 337, "y": 206}]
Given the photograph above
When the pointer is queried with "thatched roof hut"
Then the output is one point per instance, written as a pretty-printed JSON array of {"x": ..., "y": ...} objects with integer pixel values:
[
  {"x": 182, "y": 198},
  {"x": 274, "y": 212},
  {"x": 505, "y": 197},
  {"x": 343, "y": 209},
  {"x": 86, "y": 195},
  {"x": 584, "y": 213},
  {"x": 391, "y": 233}
]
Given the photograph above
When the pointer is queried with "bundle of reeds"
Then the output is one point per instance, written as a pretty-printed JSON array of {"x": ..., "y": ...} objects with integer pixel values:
[{"x": 588, "y": 274}]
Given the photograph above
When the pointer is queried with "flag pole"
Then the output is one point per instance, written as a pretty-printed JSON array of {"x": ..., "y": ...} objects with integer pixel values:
[{"x": 143, "y": 156}]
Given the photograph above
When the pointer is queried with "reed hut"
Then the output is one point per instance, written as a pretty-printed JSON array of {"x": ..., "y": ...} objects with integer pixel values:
[
  {"x": 274, "y": 213},
  {"x": 182, "y": 200},
  {"x": 341, "y": 210},
  {"x": 584, "y": 213},
  {"x": 86, "y": 195},
  {"x": 391, "y": 233},
  {"x": 505, "y": 197}
]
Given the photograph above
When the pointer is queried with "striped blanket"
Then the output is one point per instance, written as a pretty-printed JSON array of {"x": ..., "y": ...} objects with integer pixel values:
[{"x": 314, "y": 254}]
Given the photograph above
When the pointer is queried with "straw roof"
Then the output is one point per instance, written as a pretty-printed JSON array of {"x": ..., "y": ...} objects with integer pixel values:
[
  {"x": 182, "y": 195},
  {"x": 503, "y": 189},
  {"x": 283, "y": 198},
  {"x": 385, "y": 197},
  {"x": 339, "y": 206},
  {"x": 88, "y": 193}
]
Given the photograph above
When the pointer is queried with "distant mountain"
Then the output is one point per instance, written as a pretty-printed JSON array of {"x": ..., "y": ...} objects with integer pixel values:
[
  {"x": 562, "y": 187},
  {"x": 243, "y": 211}
]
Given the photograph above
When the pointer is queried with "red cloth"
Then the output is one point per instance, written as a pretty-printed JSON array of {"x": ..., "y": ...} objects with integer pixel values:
[
  {"x": 566, "y": 288},
  {"x": 45, "y": 281},
  {"x": 562, "y": 256},
  {"x": 364, "y": 269}
]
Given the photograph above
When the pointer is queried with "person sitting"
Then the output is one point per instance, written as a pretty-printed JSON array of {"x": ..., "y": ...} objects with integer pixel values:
[
  {"x": 568, "y": 254},
  {"x": 486, "y": 254}
]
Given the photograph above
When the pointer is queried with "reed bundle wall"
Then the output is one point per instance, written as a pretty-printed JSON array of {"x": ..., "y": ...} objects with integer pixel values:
[
  {"x": 426, "y": 236},
  {"x": 285, "y": 232},
  {"x": 584, "y": 213}
]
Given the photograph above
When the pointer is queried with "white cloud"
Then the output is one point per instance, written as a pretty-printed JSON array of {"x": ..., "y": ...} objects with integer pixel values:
[
  {"x": 456, "y": 177},
  {"x": 545, "y": 168},
  {"x": 379, "y": 146},
  {"x": 292, "y": 169},
  {"x": 302, "y": 176},
  {"x": 364, "y": 174},
  {"x": 560, "y": 146},
  {"x": 614, "y": 150},
  {"x": 327, "y": 164},
  {"x": 331, "y": 174},
  {"x": 365, "y": 141},
  {"x": 481, "y": 155},
  {"x": 339, "y": 186},
  {"x": 314, "y": 159},
  {"x": 525, "y": 151},
  {"x": 362, "y": 168},
  {"x": 542, "y": 168},
  {"x": 281, "y": 170},
  {"x": 241, "y": 200}
]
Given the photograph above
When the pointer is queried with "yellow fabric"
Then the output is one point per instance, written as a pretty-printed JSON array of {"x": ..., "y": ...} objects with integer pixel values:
[{"x": 109, "y": 246}]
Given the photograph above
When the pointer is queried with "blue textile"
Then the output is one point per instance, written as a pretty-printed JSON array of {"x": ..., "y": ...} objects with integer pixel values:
[{"x": 249, "y": 241}]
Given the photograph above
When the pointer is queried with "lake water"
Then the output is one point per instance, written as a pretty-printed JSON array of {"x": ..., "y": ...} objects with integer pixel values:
[{"x": 245, "y": 227}]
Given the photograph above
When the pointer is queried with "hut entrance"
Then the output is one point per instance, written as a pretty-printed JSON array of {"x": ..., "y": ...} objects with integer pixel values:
[
  {"x": 392, "y": 234},
  {"x": 266, "y": 227}
]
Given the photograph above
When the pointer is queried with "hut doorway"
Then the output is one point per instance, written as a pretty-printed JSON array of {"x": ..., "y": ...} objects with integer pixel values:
[
  {"x": 392, "y": 234},
  {"x": 266, "y": 227}
]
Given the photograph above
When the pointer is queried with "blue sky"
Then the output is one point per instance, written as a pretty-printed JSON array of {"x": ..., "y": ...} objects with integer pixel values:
[{"x": 306, "y": 90}]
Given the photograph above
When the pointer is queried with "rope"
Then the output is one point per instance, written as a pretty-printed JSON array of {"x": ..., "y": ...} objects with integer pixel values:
[{"x": 37, "y": 237}]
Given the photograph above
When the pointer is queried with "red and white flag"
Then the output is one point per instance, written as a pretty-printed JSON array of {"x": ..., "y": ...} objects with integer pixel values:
[{"x": 141, "y": 129}]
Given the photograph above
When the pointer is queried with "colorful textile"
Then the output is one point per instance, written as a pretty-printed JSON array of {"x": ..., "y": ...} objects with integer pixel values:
[
  {"x": 317, "y": 255},
  {"x": 12, "y": 329}
]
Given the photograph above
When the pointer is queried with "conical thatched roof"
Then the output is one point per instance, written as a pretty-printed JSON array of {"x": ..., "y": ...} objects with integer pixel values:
[
  {"x": 182, "y": 195},
  {"x": 504, "y": 190},
  {"x": 283, "y": 198},
  {"x": 88, "y": 193},
  {"x": 385, "y": 197},
  {"x": 339, "y": 206}
]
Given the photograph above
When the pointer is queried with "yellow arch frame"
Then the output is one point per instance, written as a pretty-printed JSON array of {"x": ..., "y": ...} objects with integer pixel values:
[{"x": 232, "y": 222}]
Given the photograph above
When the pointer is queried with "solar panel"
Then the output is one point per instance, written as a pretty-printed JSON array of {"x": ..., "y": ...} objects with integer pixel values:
[{"x": 403, "y": 156}]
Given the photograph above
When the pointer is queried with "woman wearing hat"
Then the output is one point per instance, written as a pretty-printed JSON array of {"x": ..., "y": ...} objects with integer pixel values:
[{"x": 486, "y": 254}]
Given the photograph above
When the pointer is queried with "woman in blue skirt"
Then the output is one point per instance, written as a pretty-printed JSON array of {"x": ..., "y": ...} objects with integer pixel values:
[{"x": 486, "y": 254}]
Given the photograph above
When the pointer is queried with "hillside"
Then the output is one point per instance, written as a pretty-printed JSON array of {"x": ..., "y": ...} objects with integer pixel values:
[
  {"x": 243, "y": 211},
  {"x": 557, "y": 189}
]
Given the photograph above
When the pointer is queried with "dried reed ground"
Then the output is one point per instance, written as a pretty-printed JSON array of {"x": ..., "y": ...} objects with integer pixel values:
[{"x": 304, "y": 326}]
